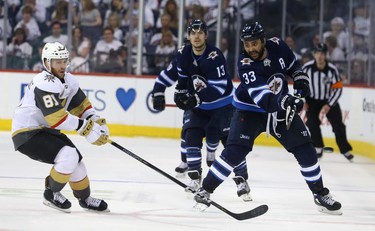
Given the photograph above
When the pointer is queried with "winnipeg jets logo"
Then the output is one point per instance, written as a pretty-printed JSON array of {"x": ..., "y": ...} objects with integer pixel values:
[
  {"x": 275, "y": 40},
  {"x": 212, "y": 55},
  {"x": 275, "y": 83},
  {"x": 246, "y": 61},
  {"x": 49, "y": 78}
]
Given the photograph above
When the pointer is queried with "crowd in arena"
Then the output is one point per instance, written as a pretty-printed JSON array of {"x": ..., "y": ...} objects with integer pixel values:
[{"x": 103, "y": 29}]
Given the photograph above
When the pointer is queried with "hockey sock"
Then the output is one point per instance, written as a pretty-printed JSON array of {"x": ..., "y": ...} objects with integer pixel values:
[
  {"x": 241, "y": 170},
  {"x": 56, "y": 181}
]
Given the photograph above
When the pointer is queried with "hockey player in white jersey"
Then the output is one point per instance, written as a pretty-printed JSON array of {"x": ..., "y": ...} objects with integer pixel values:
[{"x": 53, "y": 101}]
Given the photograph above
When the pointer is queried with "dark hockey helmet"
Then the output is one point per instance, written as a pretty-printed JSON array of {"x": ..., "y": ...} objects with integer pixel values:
[
  {"x": 322, "y": 47},
  {"x": 197, "y": 25},
  {"x": 252, "y": 31}
]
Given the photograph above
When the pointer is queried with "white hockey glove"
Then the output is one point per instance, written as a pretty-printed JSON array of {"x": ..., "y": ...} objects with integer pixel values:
[
  {"x": 102, "y": 122},
  {"x": 93, "y": 132}
]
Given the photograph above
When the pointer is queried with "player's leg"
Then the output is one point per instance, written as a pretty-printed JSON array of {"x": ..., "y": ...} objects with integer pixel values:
[
  {"x": 245, "y": 127},
  {"x": 182, "y": 168},
  {"x": 53, "y": 149},
  {"x": 194, "y": 137},
  {"x": 80, "y": 184},
  {"x": 334, "y": 116},
  {"x": 313, "y": 123},
  {"x": 297, "y": 141}
]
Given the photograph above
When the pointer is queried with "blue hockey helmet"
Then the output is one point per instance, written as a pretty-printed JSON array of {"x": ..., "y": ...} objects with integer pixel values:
[
  {"x": 197, "y": 25},
  {"x": 252, "y": 31}
]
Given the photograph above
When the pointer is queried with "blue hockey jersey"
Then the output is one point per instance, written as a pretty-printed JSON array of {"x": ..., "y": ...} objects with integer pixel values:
[
  {"x": 263, "y": 82},
  {"x": 205, "y": 75}
]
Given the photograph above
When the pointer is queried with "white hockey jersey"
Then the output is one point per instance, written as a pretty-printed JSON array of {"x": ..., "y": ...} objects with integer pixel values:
[{"x": 51, "y": 103}]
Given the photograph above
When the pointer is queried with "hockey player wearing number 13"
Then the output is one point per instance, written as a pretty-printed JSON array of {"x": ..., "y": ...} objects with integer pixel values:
[
  {"x": 261, "y": 101},
  {"x": 204, "y": 91},
  {"x": 53, "y": 101}
]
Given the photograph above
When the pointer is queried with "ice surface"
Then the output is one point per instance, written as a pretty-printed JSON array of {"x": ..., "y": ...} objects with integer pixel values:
[{"x": 141, "y": 199}]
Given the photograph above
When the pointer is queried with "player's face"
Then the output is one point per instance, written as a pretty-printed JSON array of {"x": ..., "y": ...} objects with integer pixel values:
[
  {"x": 197, "y": 39},
  {"x": 58, "y": 67},
  {"x": 255, "y": 49}
]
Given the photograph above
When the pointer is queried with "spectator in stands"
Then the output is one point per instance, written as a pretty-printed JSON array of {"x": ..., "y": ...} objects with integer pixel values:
[
  {"x": 7, "y": 33},
  {"x": 361, "y": 21},
  {"x": 289, "y": 40},
  {"x": 165, "y": 50},
  {"x": 19, "y": 51},
  {"x": 114, "y": 23},
  {"x": 38, "y": 11},
  {"x": 165, "y": 26},
  {"x": 77, "y": 63},
  {"x": 116, "y": 6},
  {"x": 358, "y": 72},
  {"x": 171, "y": 8},
  {"x": 81, "y": 44},
  {"x": 29, "y": 24},
  {"x": 60, "y": 14},
  {"x": 123, "y": 54},
  {"x": 339, "y": 32},
  {"x": 104, "y": 45},
  {"x": 13, "y": 8},
  {"x": 334, "y": 51},
  {"x": 315, "y": 40},
  {"x": 360, "y": 48},
  {"x": 36, "y": 61},
  {"x": 145, "y": 65},
  {"x": 305, "y": 57},
  {"x": 90, "y": 20},
  {"x": 149, "y": 15},
  {"x": 113, "y": 64},
  {"x": 56, "y": 35}
]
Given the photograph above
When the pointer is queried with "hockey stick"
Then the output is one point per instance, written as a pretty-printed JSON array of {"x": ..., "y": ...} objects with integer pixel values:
[
  {"x": 170, "y": 105},
  {"x": 260, "y": 210}
]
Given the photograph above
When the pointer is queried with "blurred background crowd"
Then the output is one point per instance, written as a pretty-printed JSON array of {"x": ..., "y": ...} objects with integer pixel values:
[{"x": 111, "y": 36}]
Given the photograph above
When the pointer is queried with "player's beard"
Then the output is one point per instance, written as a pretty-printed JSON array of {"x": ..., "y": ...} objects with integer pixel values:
[
  {"x": 256, "y": 55},
  {"x": 199, "y": 48}
]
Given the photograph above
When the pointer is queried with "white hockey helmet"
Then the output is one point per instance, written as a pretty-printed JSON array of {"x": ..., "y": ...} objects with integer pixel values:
[{"x": 54, "y": 50}]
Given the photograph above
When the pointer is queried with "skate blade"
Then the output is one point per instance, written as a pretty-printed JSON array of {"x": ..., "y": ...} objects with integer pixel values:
[
  {"x": 200, "y": 206},
  {"x": 49, "y": 204},
  {"x": 330, "y": 212},
  {"x": 96, "y": 211},
  {"x": 246, "y": 197}
]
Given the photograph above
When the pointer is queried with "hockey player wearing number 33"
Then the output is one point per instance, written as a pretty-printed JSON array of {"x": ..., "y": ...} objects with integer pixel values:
[
  {"x": 53, "y": 101},
  {"x": 261, "y": 102}
]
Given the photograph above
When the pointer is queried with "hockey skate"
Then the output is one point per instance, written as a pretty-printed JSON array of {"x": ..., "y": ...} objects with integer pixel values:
[
  {"x": 210, "y": 158},
  {"x": 202, "y": 199},
  {"x": 93, "y": 204},
  {"x": 56, "y": 200},
  {"x": 326, "y": 204},
  {"x": 243, "y": 189},
  {"x": 181, "y": 170},
  {"x": 348, "y": 156},
  {"x": 195, "y": 182}
]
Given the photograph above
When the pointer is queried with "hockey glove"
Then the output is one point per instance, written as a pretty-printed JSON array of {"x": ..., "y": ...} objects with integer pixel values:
[
  {"x": 301, "y": 84},
  {"x": 192, "y": 102},
  {"x": 291, "y": 101},
  {"x": 102, "y": 122},
  {"x": 180, "y": 97},
  {"x": 158, "y": 101},
  {"x": 93, "y": 132}
]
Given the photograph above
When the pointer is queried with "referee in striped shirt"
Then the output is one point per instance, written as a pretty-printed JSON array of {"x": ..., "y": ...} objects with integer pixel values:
[{"x": 325, "y": 91}]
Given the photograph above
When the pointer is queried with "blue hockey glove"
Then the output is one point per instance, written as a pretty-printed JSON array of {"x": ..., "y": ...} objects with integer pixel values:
[
  {"x": 158, "y": 101},
  {"x": 292, "y": 102},
  {"x": 301, "y": 84}
]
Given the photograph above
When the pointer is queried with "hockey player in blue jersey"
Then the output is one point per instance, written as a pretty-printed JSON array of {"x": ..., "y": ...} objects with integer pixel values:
[
  {"x": 262, "y": 105},
  {"x": 204, "y": 91},
  {"x": 167, "y": 78}
]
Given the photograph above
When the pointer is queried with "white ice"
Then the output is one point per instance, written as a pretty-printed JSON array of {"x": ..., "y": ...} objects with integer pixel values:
[{"x": 142, "y": 199}]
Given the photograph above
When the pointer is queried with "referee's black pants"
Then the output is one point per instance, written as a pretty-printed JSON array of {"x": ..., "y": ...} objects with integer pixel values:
[{"x": 334, "y": 116}]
